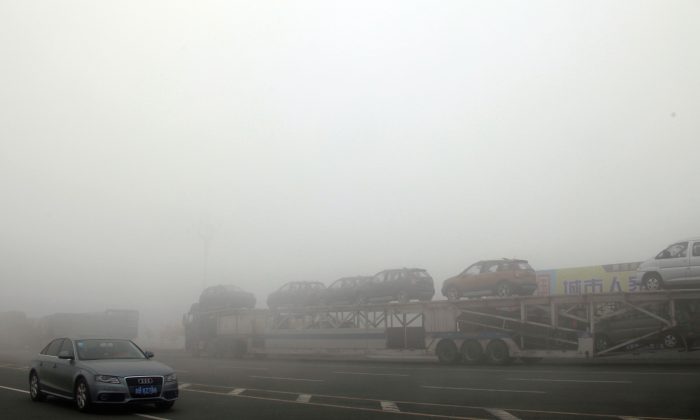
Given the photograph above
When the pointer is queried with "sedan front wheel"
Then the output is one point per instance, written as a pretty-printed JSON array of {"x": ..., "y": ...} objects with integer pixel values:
[{"x": 82, "y": 395}]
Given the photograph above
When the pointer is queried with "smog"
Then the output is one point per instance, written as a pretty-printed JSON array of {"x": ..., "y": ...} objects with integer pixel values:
[{"x": 266, "y": 194}]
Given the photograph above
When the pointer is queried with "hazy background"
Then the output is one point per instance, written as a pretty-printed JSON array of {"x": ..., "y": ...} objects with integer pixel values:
[{"x": 314, "y": 140}]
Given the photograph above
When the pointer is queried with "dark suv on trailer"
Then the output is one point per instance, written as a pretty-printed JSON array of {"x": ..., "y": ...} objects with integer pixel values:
[
  {"x": 345, "y": 290},
  {"x": 504, "y": 277},
  {"x": 401, "y": 285}
]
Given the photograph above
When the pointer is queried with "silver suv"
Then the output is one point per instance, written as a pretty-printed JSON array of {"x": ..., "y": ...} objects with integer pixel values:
[{"x": 676, "y": 266}]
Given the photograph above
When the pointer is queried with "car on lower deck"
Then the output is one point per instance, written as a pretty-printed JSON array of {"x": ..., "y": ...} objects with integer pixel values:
[
  {"x": 504, "y": 277},
  {"x": 101, "y": 371}
]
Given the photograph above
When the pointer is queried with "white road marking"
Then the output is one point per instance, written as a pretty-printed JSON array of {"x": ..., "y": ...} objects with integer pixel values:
[
  {"x": 287, "y": 379},
  {"x": 237, "y": 391},
  {"x": 629, "y": 418},
  {"x": 304, "y": 398},
  {"x": 183, "y": 386},
  {"x": 14, "y": 389},
  {"x": 150, "y": 417},
  {"x": 371, "y": 374},
  {"x": 569, "y": 380},
  {"x": 484, "y": 389},
  {"x": 389, "y": 406},
  {"x": 501, "y": 414},
  {"x": 245, "y": 367},
  {"x": 6, "y": 365}
]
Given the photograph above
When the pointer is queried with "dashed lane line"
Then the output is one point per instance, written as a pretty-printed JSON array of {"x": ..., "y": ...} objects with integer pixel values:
[
  {"x": 389, "y": 406},
  {"x": 518, "y": 410},
  {"x": 147, "y": 416},
  {"x": 14, "y": 389},
  {"x": 245, "y": 368},
  {"x": 237, "y": 391},
  {"x": 287, "y": 379},
  {"x": 183, "y": 386},
  {"x": 304, "y": 398},
  {"x": 339, "y": 372},
  {"x": 344, "y": 407},
  {"x": 501, "y": 414},
  {"x": 484, "y": 389},
  {"x": 584, "y": 381}
]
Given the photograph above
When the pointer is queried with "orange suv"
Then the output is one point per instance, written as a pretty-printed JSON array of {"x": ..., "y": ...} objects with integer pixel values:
[{"x": 503, "y": 277}]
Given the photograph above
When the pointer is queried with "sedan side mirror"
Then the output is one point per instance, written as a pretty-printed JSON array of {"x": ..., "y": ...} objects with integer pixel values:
[
  {"x": 65, "y": 354},
  {"x": 149, "y": 354}
]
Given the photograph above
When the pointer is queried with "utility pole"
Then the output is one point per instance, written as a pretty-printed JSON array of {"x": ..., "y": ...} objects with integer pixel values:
[{"x": 206, "y": 233}]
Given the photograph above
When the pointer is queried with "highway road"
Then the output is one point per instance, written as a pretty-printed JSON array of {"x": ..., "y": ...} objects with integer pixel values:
[{"x": 287, "y": 389}]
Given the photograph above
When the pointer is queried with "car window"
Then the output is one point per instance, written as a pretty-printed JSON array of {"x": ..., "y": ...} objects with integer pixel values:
[
  {"x": 54, "y": 347},
  {"x": 67, "y": 346},
  {"x": 473, "y": 270},
  {"x": 677, "y": 250},
  {"x": 493, "y": 268},
  {"x": 696, "y": 249},
  {"x": 108, "y": 349},
  {"x": 337, "y": 284}
]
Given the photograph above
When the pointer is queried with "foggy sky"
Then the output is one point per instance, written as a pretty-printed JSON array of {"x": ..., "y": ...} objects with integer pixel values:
[{"x": 316, "y": 140}]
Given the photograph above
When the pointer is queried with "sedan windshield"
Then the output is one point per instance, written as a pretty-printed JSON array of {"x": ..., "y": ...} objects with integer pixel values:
[{"x": 108, "y": 349}]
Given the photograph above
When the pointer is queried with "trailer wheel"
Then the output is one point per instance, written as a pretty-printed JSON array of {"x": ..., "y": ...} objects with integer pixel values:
[
  {"x": 498, "y": 353},
  {"x": 472, "y": 352},
  {"x": 652, "y": 282},
  {"x": 447, "y": 352}
]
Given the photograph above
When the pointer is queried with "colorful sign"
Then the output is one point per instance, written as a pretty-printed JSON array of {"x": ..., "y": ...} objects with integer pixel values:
[{"x": 585, "y": 280}]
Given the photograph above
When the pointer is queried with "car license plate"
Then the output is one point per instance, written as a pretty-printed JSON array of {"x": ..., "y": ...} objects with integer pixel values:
[{"x": 145, "y": 391}]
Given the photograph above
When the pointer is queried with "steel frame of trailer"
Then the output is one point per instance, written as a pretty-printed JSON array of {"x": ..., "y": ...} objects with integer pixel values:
[{"x": 531, "y": 326}]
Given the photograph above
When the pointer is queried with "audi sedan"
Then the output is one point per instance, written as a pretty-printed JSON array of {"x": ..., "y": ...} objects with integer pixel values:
[{"x": 101, "y": 371}]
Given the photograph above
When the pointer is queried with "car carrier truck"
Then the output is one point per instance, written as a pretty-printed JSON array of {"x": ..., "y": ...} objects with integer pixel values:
[{"x": 495, "y": 330}]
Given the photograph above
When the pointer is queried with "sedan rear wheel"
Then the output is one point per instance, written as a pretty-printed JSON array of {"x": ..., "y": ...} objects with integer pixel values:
[
  {"x": 82, "y": 395},
  {"x": 35, "y": 388}
]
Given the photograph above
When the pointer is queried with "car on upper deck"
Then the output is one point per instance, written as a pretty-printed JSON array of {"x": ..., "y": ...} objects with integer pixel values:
[
  {"x": 504, "y": 277},
  {"x": 101, "y": 371},
  {"x": 676, "y": 266},
  {"x": 297, "y": 294},
  {"x": 400, "y": 284}
]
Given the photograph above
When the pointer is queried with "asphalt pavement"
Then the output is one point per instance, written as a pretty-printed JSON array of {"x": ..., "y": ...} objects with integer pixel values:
[{"x": 289, "y": 389}]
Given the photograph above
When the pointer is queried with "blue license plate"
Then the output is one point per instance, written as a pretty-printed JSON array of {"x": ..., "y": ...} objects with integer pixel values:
[{"x": 144, "y": 391}]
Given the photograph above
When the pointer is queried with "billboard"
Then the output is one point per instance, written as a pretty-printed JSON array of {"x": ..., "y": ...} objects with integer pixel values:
[{"x": 608, "y": 278}]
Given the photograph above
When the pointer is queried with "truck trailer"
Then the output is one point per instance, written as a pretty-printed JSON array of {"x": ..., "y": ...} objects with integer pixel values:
[{"x": 494, "y": 330}]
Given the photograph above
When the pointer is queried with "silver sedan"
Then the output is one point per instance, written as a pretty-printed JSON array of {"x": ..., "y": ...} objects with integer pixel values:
[{"x": 101, "y": 371}]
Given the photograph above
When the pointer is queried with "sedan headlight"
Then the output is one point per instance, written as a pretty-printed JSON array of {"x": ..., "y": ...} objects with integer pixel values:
[
  {"x": 107, "y": 379},
  {"x": 171, "y": 378}
]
